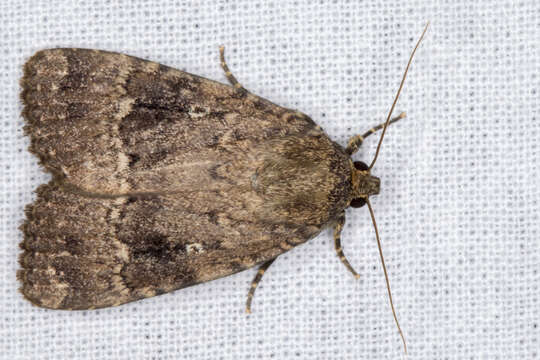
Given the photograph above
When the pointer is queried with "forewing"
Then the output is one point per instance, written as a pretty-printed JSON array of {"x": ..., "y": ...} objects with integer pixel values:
[
  {"x": 111, "y": 123},
  {"x": 85, "y": 253}
]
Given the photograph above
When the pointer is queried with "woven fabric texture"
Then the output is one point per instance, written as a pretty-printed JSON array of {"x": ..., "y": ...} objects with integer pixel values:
[{"x": 459, "y": 205}]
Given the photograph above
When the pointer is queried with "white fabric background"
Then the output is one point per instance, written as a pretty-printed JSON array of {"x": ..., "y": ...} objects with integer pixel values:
[{"x": 458, "y": 210}]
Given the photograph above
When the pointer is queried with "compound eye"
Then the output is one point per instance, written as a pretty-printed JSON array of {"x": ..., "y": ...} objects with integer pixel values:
[
  {"x": 360, "y": 165},
  {"x": 358, "y": 202}
]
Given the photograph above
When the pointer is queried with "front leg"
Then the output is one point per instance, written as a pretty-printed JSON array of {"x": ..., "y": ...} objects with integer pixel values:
[{"x": 357, "y": 140}]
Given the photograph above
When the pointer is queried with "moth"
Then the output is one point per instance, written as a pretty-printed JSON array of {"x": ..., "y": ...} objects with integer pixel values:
[{"x": 162, "y": 179}]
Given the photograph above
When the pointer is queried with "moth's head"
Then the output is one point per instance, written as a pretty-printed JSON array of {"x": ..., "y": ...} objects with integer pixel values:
[{"x": 364, "y": 184}]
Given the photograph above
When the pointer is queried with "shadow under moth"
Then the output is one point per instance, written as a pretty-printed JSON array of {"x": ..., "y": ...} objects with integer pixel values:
[{"x": 162, "y": 179}]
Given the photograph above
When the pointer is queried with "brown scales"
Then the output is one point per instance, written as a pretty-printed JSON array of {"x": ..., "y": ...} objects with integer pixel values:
[{"x": 163, "y": 179}]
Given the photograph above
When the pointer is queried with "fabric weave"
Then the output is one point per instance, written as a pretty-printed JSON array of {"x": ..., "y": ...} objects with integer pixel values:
[{"x": 458, "y": 210}]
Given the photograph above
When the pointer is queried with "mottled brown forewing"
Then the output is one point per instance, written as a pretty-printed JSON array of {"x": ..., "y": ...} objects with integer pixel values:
[{"x": 162, "y": 179}]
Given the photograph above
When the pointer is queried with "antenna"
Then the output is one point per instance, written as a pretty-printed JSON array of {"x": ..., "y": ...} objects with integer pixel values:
[
  {"x": 397, "y": 96},
  {"x": 386, "y": 274}
]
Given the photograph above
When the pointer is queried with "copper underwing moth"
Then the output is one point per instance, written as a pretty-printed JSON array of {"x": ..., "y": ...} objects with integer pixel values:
[{"x": 162, "y": 179}]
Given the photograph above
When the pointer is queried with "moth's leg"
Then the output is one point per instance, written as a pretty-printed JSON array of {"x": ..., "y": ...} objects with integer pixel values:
[
  {"x": 256, "y": 281},
  {"x": 337, "y": 243},
  {"x": 355, "y": 142},
  {"x": 228, "y": 72}
]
